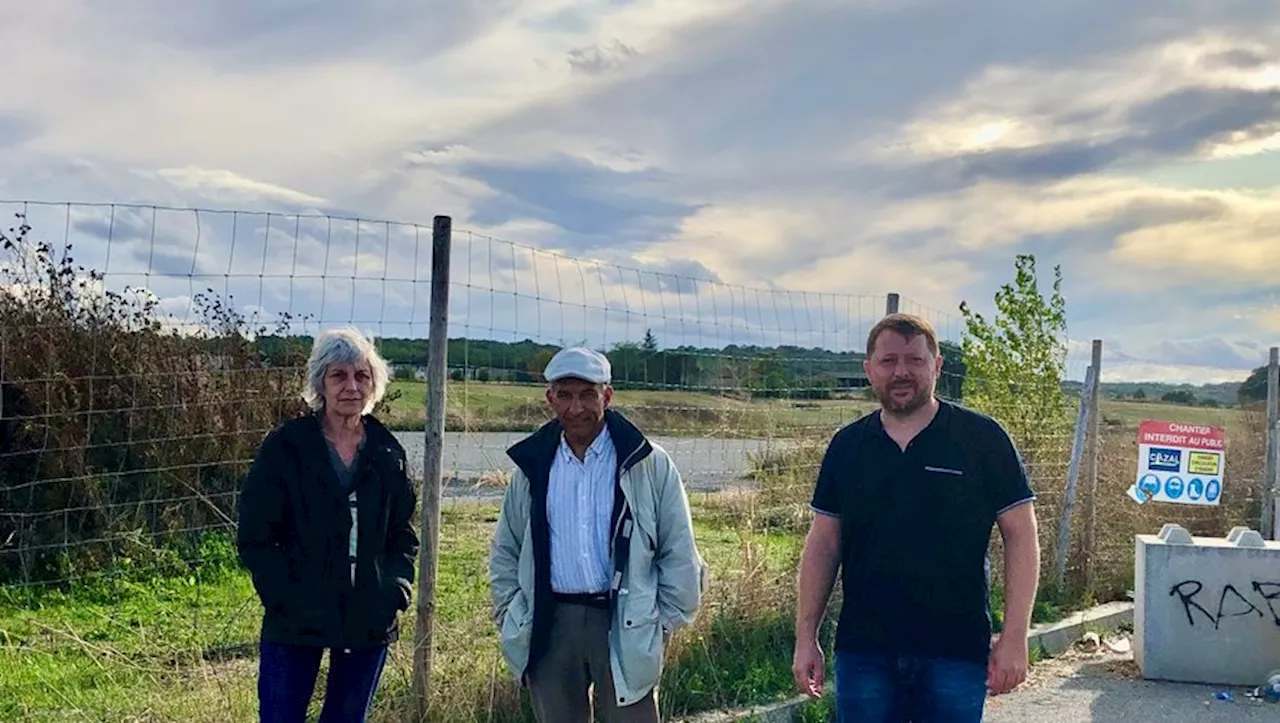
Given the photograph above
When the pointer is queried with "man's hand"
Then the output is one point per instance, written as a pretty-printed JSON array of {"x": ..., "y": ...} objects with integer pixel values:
[
  {"x": 1007, "y": 664},
  {"x": 808, "y": 667}
]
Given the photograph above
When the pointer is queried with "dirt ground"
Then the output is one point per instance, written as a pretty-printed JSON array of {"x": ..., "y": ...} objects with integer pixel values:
[{"x": 1099, "y": 681}]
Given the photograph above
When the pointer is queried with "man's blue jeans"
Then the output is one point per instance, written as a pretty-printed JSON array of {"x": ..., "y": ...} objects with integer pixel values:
[
  {"x": 874, "y": 688},
  {"x": 287, "y": 677}
]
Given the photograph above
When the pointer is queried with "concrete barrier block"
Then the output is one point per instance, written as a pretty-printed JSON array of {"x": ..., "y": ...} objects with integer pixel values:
[
  {"x": 1250, "y": 538},
  {"x": 1175, "y": 534},
  {"x": 1207, "y": 609},
  {"x": 1235, "y": 532}
]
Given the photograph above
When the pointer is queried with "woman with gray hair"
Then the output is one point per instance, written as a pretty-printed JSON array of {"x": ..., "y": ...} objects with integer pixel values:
[{"x": 326, "y": 533}]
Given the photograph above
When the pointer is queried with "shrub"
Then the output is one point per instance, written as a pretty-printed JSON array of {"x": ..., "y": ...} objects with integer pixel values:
[{"x": 115, "y": 423}]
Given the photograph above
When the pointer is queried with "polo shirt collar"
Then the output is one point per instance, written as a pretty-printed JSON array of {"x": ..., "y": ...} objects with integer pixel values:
[{"x": 939, "y": 419}]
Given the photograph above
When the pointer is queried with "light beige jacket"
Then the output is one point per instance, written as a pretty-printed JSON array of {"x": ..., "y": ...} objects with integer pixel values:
[{"x": 659, "y": 592}]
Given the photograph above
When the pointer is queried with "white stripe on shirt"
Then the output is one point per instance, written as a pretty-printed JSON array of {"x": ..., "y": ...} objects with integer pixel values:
[{"x": 579, "y": 508}]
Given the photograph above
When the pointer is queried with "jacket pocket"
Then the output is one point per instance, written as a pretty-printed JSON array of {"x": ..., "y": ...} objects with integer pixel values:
[
  {"x": 386, "y": 601},
  {"x": 517, "y": 621},
  {"x": 642, "y": 646},
  {"x": 516, "y": 633},
  {"x": 305, "y": 614}
]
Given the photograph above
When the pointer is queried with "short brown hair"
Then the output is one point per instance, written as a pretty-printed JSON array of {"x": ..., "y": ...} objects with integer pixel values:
[{"x": 908, "y": 325}]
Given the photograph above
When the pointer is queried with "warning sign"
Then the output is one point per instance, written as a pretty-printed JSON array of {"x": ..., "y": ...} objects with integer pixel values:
[
  {"x": 1179, "y": 462},
  {"x": 1203, "y": 463}
]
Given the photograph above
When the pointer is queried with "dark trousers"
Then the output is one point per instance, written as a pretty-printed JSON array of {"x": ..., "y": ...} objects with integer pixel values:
[
  {"x": 575, "y": 665},
  {"x": 875, "y": 688},
  {"x": 287, "y": 677}
]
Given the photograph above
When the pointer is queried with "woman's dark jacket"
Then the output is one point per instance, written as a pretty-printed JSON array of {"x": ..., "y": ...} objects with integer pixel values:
[{"x": 295, "y": 523}]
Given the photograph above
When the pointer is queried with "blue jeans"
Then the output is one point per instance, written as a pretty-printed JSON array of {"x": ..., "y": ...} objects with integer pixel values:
[
  {"x": 287, "y": 677},
  {"x": 875, "y": 688}
]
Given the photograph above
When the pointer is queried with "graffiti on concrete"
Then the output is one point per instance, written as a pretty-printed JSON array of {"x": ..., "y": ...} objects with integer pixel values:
[{"x": 1231, "y": 603}]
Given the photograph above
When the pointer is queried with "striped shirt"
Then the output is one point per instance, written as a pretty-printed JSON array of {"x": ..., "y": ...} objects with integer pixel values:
[{"x": 579, "y": 508}]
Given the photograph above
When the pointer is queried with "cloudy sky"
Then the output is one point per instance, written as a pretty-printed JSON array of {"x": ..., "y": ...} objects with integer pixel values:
[{"x": 719, "y": 171}]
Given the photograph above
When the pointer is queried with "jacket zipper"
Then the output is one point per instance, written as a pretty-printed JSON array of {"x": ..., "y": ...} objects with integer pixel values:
[{"x": 617, "y": 526}]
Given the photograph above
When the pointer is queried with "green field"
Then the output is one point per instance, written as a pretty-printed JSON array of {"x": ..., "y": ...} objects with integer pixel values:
[
  {"x": 495, "y": 407},
  {"x": 1129, "y": 413},
  {"x": 182, "y": 647}
]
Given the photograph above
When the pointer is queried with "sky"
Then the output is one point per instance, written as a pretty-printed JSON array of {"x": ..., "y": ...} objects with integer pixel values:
[{"x": 720, "y": 172}]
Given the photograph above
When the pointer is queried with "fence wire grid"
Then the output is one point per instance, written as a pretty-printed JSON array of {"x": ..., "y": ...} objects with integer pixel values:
[{"x": 145, "y": 351}]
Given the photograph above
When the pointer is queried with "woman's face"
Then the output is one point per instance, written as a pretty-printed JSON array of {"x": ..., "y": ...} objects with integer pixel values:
[{"x": 347, "y": 388}]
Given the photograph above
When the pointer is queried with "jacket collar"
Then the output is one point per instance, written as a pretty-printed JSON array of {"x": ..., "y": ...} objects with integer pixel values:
[
  {"x": 537, "y": 451},
  {"x": 376, "y": 434},
  {"x": 309, "y": 436}
]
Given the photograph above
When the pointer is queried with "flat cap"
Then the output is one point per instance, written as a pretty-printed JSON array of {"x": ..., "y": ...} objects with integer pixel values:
[{"x": 579, "y": 362}]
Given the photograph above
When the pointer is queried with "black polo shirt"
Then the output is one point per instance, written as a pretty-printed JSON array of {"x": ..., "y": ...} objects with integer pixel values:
[{"x": 915, "y": 530}]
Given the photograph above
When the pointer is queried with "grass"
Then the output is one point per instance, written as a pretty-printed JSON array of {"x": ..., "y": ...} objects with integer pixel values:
[
  {"x": 498, "y": 407},
  {"x": 131, "y": 646},
  {"x": 1129, "y": 413}
]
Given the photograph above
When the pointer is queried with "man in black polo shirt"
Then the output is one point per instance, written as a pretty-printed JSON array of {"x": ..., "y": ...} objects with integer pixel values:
[{"x": 906, "y": 500}]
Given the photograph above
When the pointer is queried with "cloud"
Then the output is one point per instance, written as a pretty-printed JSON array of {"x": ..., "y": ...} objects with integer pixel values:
[
  {"x": 233, "y": 188},
  {"x": 15, "y": 130},
  {"x": 595, "y": 59},
  {"x": 1200, "y": 360},
  {"x": 730, "y": 158},
  {"x": 249, "y": 32},
  {"x": 593, "y": 205}
]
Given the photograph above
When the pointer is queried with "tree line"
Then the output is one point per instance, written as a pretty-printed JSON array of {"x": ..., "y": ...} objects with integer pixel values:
[{"x": 760, "y": 371}]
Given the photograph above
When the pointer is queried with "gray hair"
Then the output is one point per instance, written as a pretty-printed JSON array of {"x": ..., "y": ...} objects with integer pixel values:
[{"x": 343, "y": 346}]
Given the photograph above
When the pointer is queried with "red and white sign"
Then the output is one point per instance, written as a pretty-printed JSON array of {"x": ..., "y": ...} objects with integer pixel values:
[{"x": 1181, "y": 434}]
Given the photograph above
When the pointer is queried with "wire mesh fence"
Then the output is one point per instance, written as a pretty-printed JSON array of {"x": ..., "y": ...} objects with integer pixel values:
[{"x": 145, "y": 352}]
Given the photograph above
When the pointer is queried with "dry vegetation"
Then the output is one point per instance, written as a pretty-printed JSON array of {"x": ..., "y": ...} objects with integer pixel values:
[{"x": 110, "y": 422}]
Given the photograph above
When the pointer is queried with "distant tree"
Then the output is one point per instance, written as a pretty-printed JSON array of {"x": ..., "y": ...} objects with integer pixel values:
[
  {"x": 1180, "y": 396},
  {"x": 627, "y": 360},
  {"x": 767, "y": 377},
  {"x": 1140, "y": 394},
  {"x": 1254, "y": 389},
  {"x": 650, "y": 343},
  {"x": 540, "y": 361},
  {"x": 1015, "y": 364},
  {"x": 951, "y": 385}
]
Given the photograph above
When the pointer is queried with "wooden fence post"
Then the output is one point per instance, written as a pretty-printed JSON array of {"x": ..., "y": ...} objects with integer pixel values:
[
  {"x": 1093, "y": 451},
  {"x": 1073, "y": 474},
  {"x": 1273, "y": 447},
  {"x": 432, "y": 464}
]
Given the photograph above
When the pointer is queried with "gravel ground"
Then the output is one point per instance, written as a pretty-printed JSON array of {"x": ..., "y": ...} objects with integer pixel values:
[{"x": 1106, "y": 686}]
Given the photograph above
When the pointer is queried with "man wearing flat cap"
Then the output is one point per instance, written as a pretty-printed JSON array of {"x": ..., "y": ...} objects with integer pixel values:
[{"x": 594, "y": 563}]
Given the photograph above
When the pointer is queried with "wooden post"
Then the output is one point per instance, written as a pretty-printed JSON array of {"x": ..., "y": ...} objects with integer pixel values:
[
  {"x": 891, "y": 304},
  {"x": 1094, "y": 450},
  {"x": 1272, "y": 465},
  {"x": 432, "y": 464},
  {"x": 1073, "y": 474}
]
